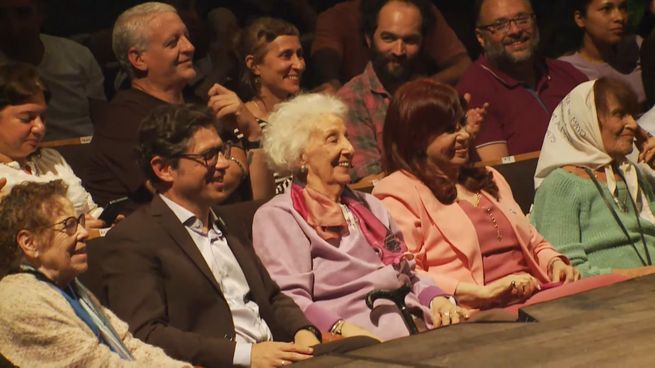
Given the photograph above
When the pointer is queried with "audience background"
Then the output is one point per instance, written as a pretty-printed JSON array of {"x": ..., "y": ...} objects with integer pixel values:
[{"x": 90, "y": 22}]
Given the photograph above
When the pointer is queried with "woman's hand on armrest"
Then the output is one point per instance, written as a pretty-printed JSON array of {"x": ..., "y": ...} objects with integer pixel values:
[
  {"x": 560, "y": 271},
  {"x": 445, "y": 313},
  {"x": 502, "y": 292}
]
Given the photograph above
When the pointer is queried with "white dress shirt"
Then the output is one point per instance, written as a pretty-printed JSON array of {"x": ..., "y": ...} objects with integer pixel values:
[{"x": 250, "y": 328}]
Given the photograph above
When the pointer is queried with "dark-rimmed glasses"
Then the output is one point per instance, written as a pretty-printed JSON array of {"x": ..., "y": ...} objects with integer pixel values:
[
  {"x": 69, "y": 224},
  {"x": 208, "y": 158},
  {"x": 502, "y": 25}
]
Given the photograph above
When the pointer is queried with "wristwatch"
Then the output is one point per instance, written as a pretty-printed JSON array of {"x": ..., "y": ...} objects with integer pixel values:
[{"x": 315, "y": 331}]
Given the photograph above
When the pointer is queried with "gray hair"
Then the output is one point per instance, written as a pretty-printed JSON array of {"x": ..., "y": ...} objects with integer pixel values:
[
  {"x": 292, "y": 123},
  {"x": 130, "y": 30}
]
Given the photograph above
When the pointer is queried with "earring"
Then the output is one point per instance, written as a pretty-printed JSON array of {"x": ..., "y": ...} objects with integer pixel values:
[{"x": 303, "y": 169}]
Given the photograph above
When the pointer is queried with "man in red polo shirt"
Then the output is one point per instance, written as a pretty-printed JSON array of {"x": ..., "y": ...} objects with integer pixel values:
[{"x": 521, "y": 88}]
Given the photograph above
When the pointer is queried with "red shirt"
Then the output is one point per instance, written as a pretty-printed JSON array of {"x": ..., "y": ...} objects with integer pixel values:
[{"x": 517, "y": 115}]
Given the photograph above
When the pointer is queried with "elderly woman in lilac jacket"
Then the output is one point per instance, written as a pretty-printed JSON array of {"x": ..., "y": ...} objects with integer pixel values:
[{"x": 327, "y": 246}]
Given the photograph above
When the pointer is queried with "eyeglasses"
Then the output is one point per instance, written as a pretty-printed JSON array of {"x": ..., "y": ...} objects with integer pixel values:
[
  {"x": 70, "y": 224},
  {"x": 502, "y": 25},
  {"x": 209, "y": 158}
]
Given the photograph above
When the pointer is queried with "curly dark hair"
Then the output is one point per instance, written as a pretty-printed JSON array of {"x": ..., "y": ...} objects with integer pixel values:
[
  {"x": 370, "y": 9},
  {"x": 166, "y": 132},
  {"x": 420, "y": 111},
  {"x": 28, "y": 206},
  {"x": 18, "y": 83}
]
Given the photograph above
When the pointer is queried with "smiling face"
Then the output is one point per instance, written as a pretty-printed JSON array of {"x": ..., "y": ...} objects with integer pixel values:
[
  {"x": 450, "y": 149},
  {"x": 396, "y": 41},
  {"x": 328, "y": 155},
  {"x": 60, "y": 256},
  {"x": 193, "y": 181},
  {"x": 21, "y": 128},
  {"x": 617, "y": 129},
  {"x": 281, "y": 67},
  {"x": 168, "y": 57},
  {"x": 518, "y": 42},
  {"x": 604, "y": 21}
]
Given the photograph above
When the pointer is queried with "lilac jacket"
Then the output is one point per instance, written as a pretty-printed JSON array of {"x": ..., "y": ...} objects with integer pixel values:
[{"x": 330, "y": 280}]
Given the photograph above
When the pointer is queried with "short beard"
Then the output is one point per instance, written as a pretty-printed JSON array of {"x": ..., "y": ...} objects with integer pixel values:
[
  {"x": 388, "y": 78},
  {"x": 497, "y": 55}
]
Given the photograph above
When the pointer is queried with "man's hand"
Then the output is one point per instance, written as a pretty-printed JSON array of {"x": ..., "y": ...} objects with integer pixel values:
[
  {"x": 272, "y": 354},
  {"x": 474, "y": 117},
  {"x": 228, "y": 107},
  {"x": 349, "y": 330},
  {"x": 305, "y": 338}
]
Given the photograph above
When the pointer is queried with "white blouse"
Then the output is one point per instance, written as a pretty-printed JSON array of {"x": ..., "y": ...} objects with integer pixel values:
[{"x": 47, "y": 165}]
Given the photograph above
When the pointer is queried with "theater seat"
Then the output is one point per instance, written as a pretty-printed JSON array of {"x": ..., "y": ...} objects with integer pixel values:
[
  {"x": 520, "y": 176},
  {"x": 76, "y": 152}
]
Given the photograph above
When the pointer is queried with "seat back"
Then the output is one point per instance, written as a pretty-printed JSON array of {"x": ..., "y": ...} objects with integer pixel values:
[
  {"x": 76, "y": 152},
  {"x": 519, "y": 173}
]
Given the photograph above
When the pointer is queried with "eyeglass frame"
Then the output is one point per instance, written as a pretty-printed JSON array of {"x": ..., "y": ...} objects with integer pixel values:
[
  {"x": 504, "y": 25},
  {"x": 201, "y": 158},
  {"x": 69, "y": 230}
]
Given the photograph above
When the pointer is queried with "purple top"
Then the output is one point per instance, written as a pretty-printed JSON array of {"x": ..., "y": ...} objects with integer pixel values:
[
  {"x": 597, "y": 70},
  {"x": 517, "y": 115},
  {"x": 499, "y": 246},
  {"x": 330, "y": 280}
]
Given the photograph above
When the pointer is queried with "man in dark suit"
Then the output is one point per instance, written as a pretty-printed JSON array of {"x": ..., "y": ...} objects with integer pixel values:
[{"x": 174, "y": 272}]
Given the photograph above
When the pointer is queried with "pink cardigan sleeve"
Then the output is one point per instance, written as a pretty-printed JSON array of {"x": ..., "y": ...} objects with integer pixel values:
[{"x": 404, "y": 204}]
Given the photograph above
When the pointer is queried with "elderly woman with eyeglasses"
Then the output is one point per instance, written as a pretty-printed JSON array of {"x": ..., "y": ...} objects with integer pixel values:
[
  {"x": 46, "y": 316},
  {"x": 22, "y": 127},
  {"x": 328, "y": 246}
]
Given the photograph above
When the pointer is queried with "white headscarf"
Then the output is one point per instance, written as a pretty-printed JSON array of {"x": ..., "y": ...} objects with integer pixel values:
[{"x": 573, "y": 138}]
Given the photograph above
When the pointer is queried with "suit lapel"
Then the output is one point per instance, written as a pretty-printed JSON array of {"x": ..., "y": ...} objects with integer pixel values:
[
  {"x": 453, "y": 224},
  {"x": 172, "y": 226},
  {"x": 239, "y": 251}
]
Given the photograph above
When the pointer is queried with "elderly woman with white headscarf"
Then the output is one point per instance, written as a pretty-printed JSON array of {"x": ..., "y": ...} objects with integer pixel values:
[{"x": 592, "y": 201}]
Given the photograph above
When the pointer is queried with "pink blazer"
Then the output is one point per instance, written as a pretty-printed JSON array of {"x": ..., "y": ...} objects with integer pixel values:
[{"x": 443, "y": 238}]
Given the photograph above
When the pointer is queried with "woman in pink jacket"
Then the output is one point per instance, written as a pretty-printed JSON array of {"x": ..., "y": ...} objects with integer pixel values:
[{"x": 460, "y": 221}]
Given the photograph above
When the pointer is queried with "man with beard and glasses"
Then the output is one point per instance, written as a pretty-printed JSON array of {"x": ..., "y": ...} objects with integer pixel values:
[
  {"x": 522, "y": 89},
  {"x": 394, "y": 34}
]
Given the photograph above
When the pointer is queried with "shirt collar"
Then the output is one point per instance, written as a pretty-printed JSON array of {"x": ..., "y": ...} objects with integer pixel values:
[
  {"x": 507, "y": 80},
  {"x": 373, "y": 82},
  {"x": 187, "y": 218}
]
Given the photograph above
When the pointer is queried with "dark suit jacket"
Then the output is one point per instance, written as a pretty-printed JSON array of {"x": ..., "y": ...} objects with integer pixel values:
[{"x": 151, "y": 274}]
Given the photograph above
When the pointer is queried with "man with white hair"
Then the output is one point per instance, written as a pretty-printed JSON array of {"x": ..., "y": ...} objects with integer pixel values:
[{"x": 152, "y": 46}]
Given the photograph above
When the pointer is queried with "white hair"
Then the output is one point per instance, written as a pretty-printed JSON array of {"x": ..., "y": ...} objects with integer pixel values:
[
  {"x": 130, "y": 30},
  {"x": 292, "y": 123}
]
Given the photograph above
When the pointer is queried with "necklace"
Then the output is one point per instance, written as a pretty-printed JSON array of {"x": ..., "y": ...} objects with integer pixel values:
[{"x": 490, "y": 213}]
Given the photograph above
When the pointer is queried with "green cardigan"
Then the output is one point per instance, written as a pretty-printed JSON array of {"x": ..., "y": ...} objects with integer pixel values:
[{"x": 570, "y": 213}]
